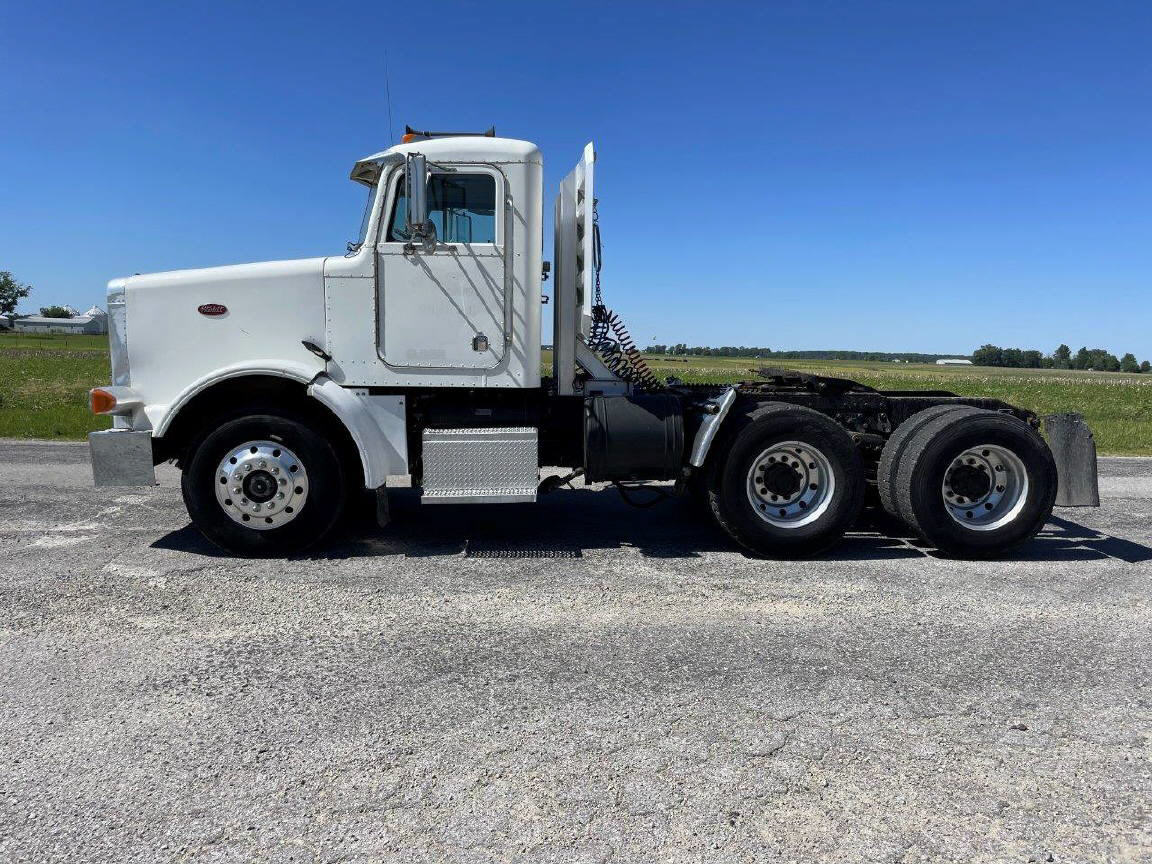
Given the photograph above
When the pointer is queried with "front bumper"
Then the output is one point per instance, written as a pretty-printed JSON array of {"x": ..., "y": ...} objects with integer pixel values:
[{"x": 121, "y": 457}]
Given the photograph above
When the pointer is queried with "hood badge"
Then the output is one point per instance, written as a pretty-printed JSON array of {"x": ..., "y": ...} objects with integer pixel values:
[{"x": 212, "y": 310}]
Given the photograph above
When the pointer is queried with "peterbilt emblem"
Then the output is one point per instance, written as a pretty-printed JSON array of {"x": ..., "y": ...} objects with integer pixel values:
[{"x": 212, "y": 309}]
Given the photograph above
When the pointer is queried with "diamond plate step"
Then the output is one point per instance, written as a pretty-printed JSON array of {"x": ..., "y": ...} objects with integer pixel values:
[{"x": 492, "y": 466}]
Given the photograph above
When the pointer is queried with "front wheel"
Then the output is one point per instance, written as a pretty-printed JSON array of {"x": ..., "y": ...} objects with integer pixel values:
[
  {"x": 264, "y": 486},
  {"x": 791, "y": 484}
]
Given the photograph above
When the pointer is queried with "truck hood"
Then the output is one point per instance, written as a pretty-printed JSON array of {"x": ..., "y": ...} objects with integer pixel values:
[
  {"x": 230, "y": 275},
  {"x": 185, "y": 329}
]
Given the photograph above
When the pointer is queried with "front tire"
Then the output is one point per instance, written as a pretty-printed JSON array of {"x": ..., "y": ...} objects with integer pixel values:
[
  {"x": 264, "y": 486},
  {"x": 790, "y": 485}
]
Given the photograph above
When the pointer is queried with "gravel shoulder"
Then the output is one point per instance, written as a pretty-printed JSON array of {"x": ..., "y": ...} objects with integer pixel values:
[{"x": 572, "y": 681}]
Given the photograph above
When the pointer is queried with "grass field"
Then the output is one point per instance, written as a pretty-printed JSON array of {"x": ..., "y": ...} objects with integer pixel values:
[
  {"x": 44, "y": 384},
  {"x": 44, "y": 381}
]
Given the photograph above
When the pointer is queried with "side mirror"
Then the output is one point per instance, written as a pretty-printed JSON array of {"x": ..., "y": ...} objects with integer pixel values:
[{"x": 421, "y": 231}]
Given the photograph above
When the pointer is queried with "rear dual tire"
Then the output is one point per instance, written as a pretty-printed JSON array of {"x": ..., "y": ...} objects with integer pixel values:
[{"x": 970, "y": 482}]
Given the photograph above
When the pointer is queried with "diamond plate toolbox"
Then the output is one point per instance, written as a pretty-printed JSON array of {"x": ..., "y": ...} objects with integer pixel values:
[{"x": 480, "y": 465}]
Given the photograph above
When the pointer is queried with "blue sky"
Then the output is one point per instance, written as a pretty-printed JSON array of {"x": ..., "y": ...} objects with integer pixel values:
[{"x": 874, "y": 175}]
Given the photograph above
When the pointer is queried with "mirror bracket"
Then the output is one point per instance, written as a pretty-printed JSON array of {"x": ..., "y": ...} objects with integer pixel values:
[{"x": 420, "y": 227}]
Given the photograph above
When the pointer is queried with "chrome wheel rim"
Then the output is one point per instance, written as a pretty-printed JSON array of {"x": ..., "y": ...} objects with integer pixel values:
[
  {"x": 791, "y": 484},
  {"x": 261, "y": 485},
  {"x": 985, "y": 487}
]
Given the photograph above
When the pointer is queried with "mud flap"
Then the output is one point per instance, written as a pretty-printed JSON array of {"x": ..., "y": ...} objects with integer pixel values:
[{"x": 1074, "y": 450}]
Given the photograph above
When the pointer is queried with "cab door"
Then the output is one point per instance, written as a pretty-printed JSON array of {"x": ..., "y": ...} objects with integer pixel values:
[{"x": 446, "y": 310}]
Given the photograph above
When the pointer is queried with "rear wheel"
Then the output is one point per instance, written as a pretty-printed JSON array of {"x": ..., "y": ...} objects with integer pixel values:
[
  {"x": 897, "y": 445},
  {"x": 264, "y": 485},
  {"x": 975, "y": 484},
  {"x": 790, "y": 485}
]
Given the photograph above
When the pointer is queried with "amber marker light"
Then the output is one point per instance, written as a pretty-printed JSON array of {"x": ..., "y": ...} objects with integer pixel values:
[{"x": 101, "y": 401}]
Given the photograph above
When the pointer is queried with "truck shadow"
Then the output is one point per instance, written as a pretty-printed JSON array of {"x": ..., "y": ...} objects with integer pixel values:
[{"x": 570, "y": 522}]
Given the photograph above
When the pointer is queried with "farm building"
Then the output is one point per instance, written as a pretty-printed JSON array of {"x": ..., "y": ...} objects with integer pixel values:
[
  {"x": 94, "y": 321},
  {"x": 953, "y": 361},
  {"x": 5, "y": 322}
]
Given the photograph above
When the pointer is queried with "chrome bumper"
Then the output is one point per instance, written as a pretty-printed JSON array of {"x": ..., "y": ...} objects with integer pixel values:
[{"x": 121, "y": 457}]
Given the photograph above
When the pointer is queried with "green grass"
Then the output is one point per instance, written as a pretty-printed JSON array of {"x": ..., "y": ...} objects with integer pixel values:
[
  {"x": 53, "y": 341},
  {"x": 44, "y": 383}
]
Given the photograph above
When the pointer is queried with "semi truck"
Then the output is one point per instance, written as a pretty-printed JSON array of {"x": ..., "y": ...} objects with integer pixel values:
[{"x": 284, "y": 390}]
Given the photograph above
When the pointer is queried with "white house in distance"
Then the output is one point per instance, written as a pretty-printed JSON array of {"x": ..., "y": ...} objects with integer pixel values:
[
  {"x": 94, "y": 322},
  {"x": 953, "y": 361}
]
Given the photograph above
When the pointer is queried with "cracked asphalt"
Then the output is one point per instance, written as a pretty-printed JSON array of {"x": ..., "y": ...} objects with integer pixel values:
[{"x": 572, "y": 681}]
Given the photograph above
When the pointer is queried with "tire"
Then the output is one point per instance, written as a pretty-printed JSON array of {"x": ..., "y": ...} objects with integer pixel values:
[
  {"x": 300, "y": 496},
  {"x": 976, "y": 484},
  {"x": 895, "y": 448},
  {"x": 819, "y": 487}
]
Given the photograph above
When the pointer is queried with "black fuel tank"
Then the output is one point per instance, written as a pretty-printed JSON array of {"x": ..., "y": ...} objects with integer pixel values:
[{"x": 633, "y": 437}]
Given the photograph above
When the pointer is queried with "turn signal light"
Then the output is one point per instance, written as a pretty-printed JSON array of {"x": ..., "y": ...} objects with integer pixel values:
[
  {"x": 408, "y": 137},
  {"x": 101, "y": 401}
]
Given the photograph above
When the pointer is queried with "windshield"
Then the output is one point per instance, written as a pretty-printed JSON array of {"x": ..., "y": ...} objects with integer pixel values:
[{"x": 365, "y": 218}]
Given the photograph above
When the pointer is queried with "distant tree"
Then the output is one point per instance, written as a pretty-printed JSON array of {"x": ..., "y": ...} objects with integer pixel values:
[
  {"x": 988, "y": 355},
  {"x": 11, "y": 292},
  {"x": 1128, "y": 363},
  {"x": 55, "y": 312},
  {"x": 1145, "y": 366},
  {"x": 1062, "y": 357},
  {"x": 1082, "y": 360},
  {"x": 1032, "y": 359},
  {"x": 1012, "y": 357}
]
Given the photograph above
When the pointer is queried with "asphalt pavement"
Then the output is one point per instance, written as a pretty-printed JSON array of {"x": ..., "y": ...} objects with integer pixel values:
[{"x": 572, "y": 681}]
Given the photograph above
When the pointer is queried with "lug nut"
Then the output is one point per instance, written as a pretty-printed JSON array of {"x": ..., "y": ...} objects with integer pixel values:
[{"x": 263, "y": 464}]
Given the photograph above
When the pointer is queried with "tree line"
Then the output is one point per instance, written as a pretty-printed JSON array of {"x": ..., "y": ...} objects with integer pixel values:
[
  {"x": 682, "y": 350},
  {"x": 1062, "y": 358}
]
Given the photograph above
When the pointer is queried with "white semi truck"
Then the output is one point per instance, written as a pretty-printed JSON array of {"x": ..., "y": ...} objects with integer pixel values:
[{"x": 282, "y": 390}]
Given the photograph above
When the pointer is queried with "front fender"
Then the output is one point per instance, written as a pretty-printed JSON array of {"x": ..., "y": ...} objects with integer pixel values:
[
  {"x": 160, "y": 417},
  {"x": 377, "y": 425}
]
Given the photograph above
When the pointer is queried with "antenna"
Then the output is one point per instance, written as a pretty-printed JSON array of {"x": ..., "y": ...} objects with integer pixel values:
[{"x": 388, "y": 96}]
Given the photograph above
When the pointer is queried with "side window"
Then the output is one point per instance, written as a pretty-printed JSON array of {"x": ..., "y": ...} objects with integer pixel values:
[{"x": 461, "y": 206}]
